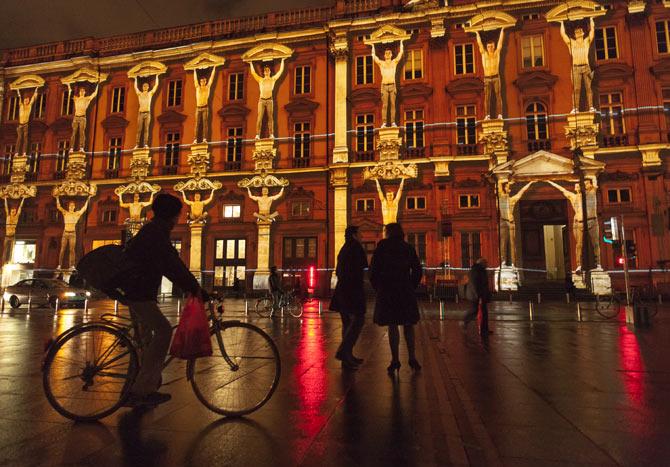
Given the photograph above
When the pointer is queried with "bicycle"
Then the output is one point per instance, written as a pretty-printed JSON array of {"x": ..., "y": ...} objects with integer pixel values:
[
  {"x": 89, "y": 369},
  {"x": 289, "y": 301},
  {"x": 617, "y": 299}
]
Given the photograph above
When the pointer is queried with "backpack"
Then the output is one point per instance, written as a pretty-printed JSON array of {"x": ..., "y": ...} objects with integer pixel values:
[{"x": 107, "y": 269}]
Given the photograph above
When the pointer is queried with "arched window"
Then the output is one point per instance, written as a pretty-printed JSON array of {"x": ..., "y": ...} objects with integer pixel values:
[{"x": 536, "y": 121}]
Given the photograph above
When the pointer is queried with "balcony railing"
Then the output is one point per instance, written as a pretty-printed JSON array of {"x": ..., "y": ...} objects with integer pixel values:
[
  {"x": 415, "y": 152},
  {"x": 111, "y": 173},
  {"x": 364, "y": 156},
  {"x": 300, "y": 162},
  {"x": 612, "y": 141},
  {"x": 466, "y": 149},
  {"x": 539, "y": 145},
  {"x": 169, "y": 170}
]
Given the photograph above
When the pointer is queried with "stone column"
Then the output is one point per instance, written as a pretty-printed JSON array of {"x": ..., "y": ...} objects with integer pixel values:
[
  {"x": 340, "y": 183},
  {"x": 263, "y": 258},
  {"x": 195, "y": 252},
  {"x": 339, "y": 47}
]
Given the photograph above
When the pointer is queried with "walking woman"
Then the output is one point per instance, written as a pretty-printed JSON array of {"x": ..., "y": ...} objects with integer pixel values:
[{"x": 395, "y": 272}]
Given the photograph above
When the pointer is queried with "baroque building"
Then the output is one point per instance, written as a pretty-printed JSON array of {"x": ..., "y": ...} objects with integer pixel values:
[{"x": 511, "y": 131}]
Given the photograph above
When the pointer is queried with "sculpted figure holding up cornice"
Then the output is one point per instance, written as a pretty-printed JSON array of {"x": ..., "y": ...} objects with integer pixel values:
[
  {"x": 202, "y": 88},
  {"x": 136, "y": 207},
  {"x": 266, "y": 83},
  {"x": 507, "y": 204},
  {"x": 11, "y": 221},
  {"x": 25, "y": 108},
  {"x": 387, "y": 67},
  {"x": 265, "y": 204},
  {"x": 198, "y": 213},
  {"x": 69, "y": 238},
  {"x": 581, "y": 70},
  {"x": 491, "y": 62},
  {"x": 144, "y": 112},
  {"x": 81, "y": 103},
  {"x": 390, "y": 202}
]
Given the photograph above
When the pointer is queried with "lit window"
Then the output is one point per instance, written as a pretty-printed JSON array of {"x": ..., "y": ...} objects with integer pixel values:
[
  {"x": 301, "y": 139},
  {"x": 662, "y": 36},
  {"x": 414, "y": 128},
  {"x": 466, "y": 124},
  {"x": 118, "y": 99},
  {"x": 172, "y": 149},
  {"x": 365, "y": 205},
  {"x": 464, "y": 59},
  {"x": 174, "y": 93},
  {"x": 300, "y": 208},
  {"x": 415, "y": 203},
  {"x": 666, "y": 107},
  {"x": 611, "y": 111},
  {"x": 618, "y": 195},
  {"x": 109, "y": 216},
  {"x": 235, "y": 86},
  {"x": 13, "y": 108},
  {"x": 365, "y": 133},
  {"x": 114, "y": 155},
  {"x": 6, "y": 166},
  {"x": 532, "y": 51},
  {"x": 234, "y": 147},
  {"x": 536, "y": 121},
  {"x": 303, "y": 77},
  {"x": 232, "y": 211},
  {"x": 414, "y": 64},
  {"x": 364, "y": 69},
  {"x": 61, "y": 156},
  {"x": 468, "y": 201},
  {"x": 67, "y": 103},
  {"x": 606, "y": 43},
  {"x": 34, "y": 157}
]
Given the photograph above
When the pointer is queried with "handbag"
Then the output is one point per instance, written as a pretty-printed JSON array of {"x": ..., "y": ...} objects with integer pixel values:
[{"x": 191, "y": 340}]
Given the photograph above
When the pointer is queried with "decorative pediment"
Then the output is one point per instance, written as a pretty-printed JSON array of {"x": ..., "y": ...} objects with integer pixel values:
[
  {"x": 364, "y": 95},
  {"x": 465, "y": 86},
  {"x": 233, "y": 112},
  {"x": 618, "y": 176},
  {"x": 575, "y": 10},
  {"x": 38, "y": 126},
  {"x": 84, "y": 74},
  {"x": 114, "y": 121},
  {"x": 61, "y": 124},
  {"x": 367, "y": 224},
  {"x": 232, "y": 196},
  {"x": 489, "y": 21},
  {"x": 387, "y": 34},
  {"x": 108, "y": 202},
  {"x": 27, "y": 82},
  {"x": 540, "y": 81},
  {"x": 146, "y": 69},
  {"x": 415, "y": 90},
  {"x": 8, "y": 130},
  {"x": 469, "y": 183},
  {"x": 300, "y": 193},
  {"x": 267, "y": 52},
  {"x": 203, "y": 61},
  {"x": 614, "y": 71},
  {"x": 301, "y": 107},
  {"x": 171, "y": 117},
  {"x": 661, "y": 69},
  {"x": 544, "y": 165}
]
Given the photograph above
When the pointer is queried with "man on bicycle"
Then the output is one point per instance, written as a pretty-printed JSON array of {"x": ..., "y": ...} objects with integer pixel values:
[
  {"x": 155, "y": 256},
  {"x": 274, "y": 283}
]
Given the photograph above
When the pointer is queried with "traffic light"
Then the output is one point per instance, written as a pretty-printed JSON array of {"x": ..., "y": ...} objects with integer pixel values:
[
  {"x": 618, "y": 253},
  {"x": 611, "y": 233},
  {"x": 631, "y": 251}
]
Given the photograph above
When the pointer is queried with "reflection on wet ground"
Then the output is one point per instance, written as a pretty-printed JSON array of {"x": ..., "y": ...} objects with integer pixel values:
[{"x": 546, "y": 391}]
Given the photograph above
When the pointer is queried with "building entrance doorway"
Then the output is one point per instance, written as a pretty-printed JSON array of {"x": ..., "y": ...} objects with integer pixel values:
[{"x": 544, "y": 240}]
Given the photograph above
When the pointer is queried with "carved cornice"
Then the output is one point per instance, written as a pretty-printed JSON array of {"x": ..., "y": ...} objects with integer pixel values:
[
  {"x": 415, "y": 90},
  {"x": 540, "y": 81},
  {"x": 299, "y": 193},
  {"x": 171, "y": 117},
  {"x": 114, "y": 122},
  {"x": 38, "y": 126},
  {"x": 364, "y": 95},
  {"x": 614, "y": 71},
  {"x": 233, "y": 112},
  {"x": 469, "y": 183},
  {"x": 661, "y": 69},
  {"x": 617, "y": 176},
  {"x": 465, "y": 86},
  {"x": 61, "y": 125},
  {"x": 231, "y": 195},
  {"x": 301, "y": 107}
]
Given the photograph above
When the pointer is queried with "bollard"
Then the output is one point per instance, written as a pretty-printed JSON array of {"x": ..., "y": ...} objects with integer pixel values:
[
  {"x": 442, "y": 309},
  {"x": 2, "y": 304},
  {"x": 567, "y": 298},
  {"x": 116, "y": 307},
  {"x": 579, "y": 312},
  {"x": 539, "y": 297},
  {"x": 56, "y": 306},
  {"x": 178, "y": 306},
  {"x": 30, "y": 302},
  {"x": 246, "y": 307},
  {"x": 530, "y": 310},
  {"x": 86, "y": 306}
]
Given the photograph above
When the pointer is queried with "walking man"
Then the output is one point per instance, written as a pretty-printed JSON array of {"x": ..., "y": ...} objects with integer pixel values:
[
  {"x": 274, "y": 284},
  {"x": 349, "y": 296},
  {"x": 479, "y": 295}
]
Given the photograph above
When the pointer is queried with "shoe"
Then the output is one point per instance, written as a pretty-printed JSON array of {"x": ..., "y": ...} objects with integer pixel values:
[
  {"x": 258, "y": 136},
  {"x": 394, "y": 125},
  {"x": 414, "y": 364},
  {"x": 573, "y": 111},
  {"x": 592, "y": 109},
  {"x": 394, "y": 366},
  {"x": 272, "y": 136},
  {"x": 488, "y": 117},
  {"x": 383, "y": 125},
  {"x": 500, "y": 117}
]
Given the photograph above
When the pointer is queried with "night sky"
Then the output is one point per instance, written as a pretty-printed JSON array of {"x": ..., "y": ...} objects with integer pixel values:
[{"x": 29, "y": 22}]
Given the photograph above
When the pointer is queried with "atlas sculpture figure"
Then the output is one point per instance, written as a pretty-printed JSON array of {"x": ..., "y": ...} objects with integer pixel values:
[
  {"x": 144, "y": 112},
  {"x": 69, "y": 239},
  {"x": 12, "y": 217},
  {"x": 25, "y": 108},
  {"x": 136, "y": 207},
  {"x": 390, "y": 202},
  {"x": 491, "y": 61},
  {"x": 197, "y": 213},
  {"x": 81, "y": 103},
  {"x": 507, "y": 205},
  {"x": 387, "y": 67},
  {"x": 202, "y": 88},
  {"x": 265, "y": 204},
  {"x": 266, "y": 83},
  {"x": 581, "y": 70}
]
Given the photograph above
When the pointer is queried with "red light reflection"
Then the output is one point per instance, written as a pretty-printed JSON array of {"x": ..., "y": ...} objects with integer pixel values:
[{"x": 632, "y": 365}]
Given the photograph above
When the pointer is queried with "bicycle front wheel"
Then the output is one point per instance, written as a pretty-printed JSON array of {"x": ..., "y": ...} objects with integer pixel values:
[
  {"x": 88, "y": 372},
  {"x": 294, "y": 307},
  {"x": 242, "y": 373},
  {"x": 264, "y": 307}
]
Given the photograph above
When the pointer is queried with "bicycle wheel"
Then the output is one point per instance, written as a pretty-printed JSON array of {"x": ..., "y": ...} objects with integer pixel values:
[
  {"x": 242, "y": 373},
  {"x": 264, "y": 307},
  {"x": 88, "y": 371},
  {"x": 294, "y": 307}
]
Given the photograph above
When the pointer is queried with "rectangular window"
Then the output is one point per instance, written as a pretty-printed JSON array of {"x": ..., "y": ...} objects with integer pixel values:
[
  {"x": 232, "y": 211},
  {"x": 174, "y": 93},
  {"x": 172, "y": 149},
  {"x": 414, "y": 128},
  {"x": 466, "y": 124},
  {"x": 40, "y": 106},
  {"x": 235, "y": 86},
  {"x": 611, "y": 112},
  {"x": 365, "y": 205},
  {"x": 13, "y": 108},
  {"x": 301, "y": 208},
  {"x": 468, "y": 201},
  {"x": 67, "y": 103},
  {"x": 114, "y": 155},
  {"x": 299, "y": 248},
  {"x": 414, "y": 203},
  {"x": 414, "y": 64},
  {"x": 34, "y": 157},
  {"x": 666, "y": 107},
  {"x": 109, "y": 216},
  {"x": 464, "y": 59},
  {"x": 418, "y": 241},
  {"x": 301, "y": 139},
  {"x": 61, "y": 156},
  {"x": 118, "y": 100},
  {"x": 303, "y": 79},
  {"x": 618, "y": 195},
  {"x": 606, "y": 43},
  {"x": 7, "y": 159},
  {"x": 365, "y": 133},
  {"x": 532, "y": 51},
  {"x": 234, "y": 147},
  {"x": 662, "y": 36},
  {"x": 470, "y": 248},
  {"x": 364, "y": 69},
  {"x": 229, "y": 261}
]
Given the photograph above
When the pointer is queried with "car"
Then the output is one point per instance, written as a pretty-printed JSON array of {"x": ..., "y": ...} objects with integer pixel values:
[{"x": 45, "y": 292}]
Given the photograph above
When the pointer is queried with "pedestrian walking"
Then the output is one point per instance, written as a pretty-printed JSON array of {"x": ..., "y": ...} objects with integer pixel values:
[
  {"x": 349, "y": 295},
  {"x": 395, "y": 272},
  {"x": 274, "y": 284},
  {"x": 479, "y": 294},
  {"x": 152, "y": 251}
]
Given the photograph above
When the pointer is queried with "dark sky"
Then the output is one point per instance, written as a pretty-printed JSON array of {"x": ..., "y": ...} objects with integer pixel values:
[{"x": 29, "y": 22}]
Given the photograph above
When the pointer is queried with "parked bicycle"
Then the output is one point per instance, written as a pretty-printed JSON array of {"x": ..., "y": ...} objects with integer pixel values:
[
  {"x": 88, "y": 370},
  {"x": 289, "y": 301},
  {"x": 610, "y": 306}
]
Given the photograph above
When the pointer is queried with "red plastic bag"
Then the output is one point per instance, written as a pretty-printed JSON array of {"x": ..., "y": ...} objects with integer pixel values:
[{"x": 191, "y": 340}]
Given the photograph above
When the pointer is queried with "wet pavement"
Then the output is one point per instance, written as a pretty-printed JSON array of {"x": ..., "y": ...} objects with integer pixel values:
[{"x": 550, "y": 390}]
